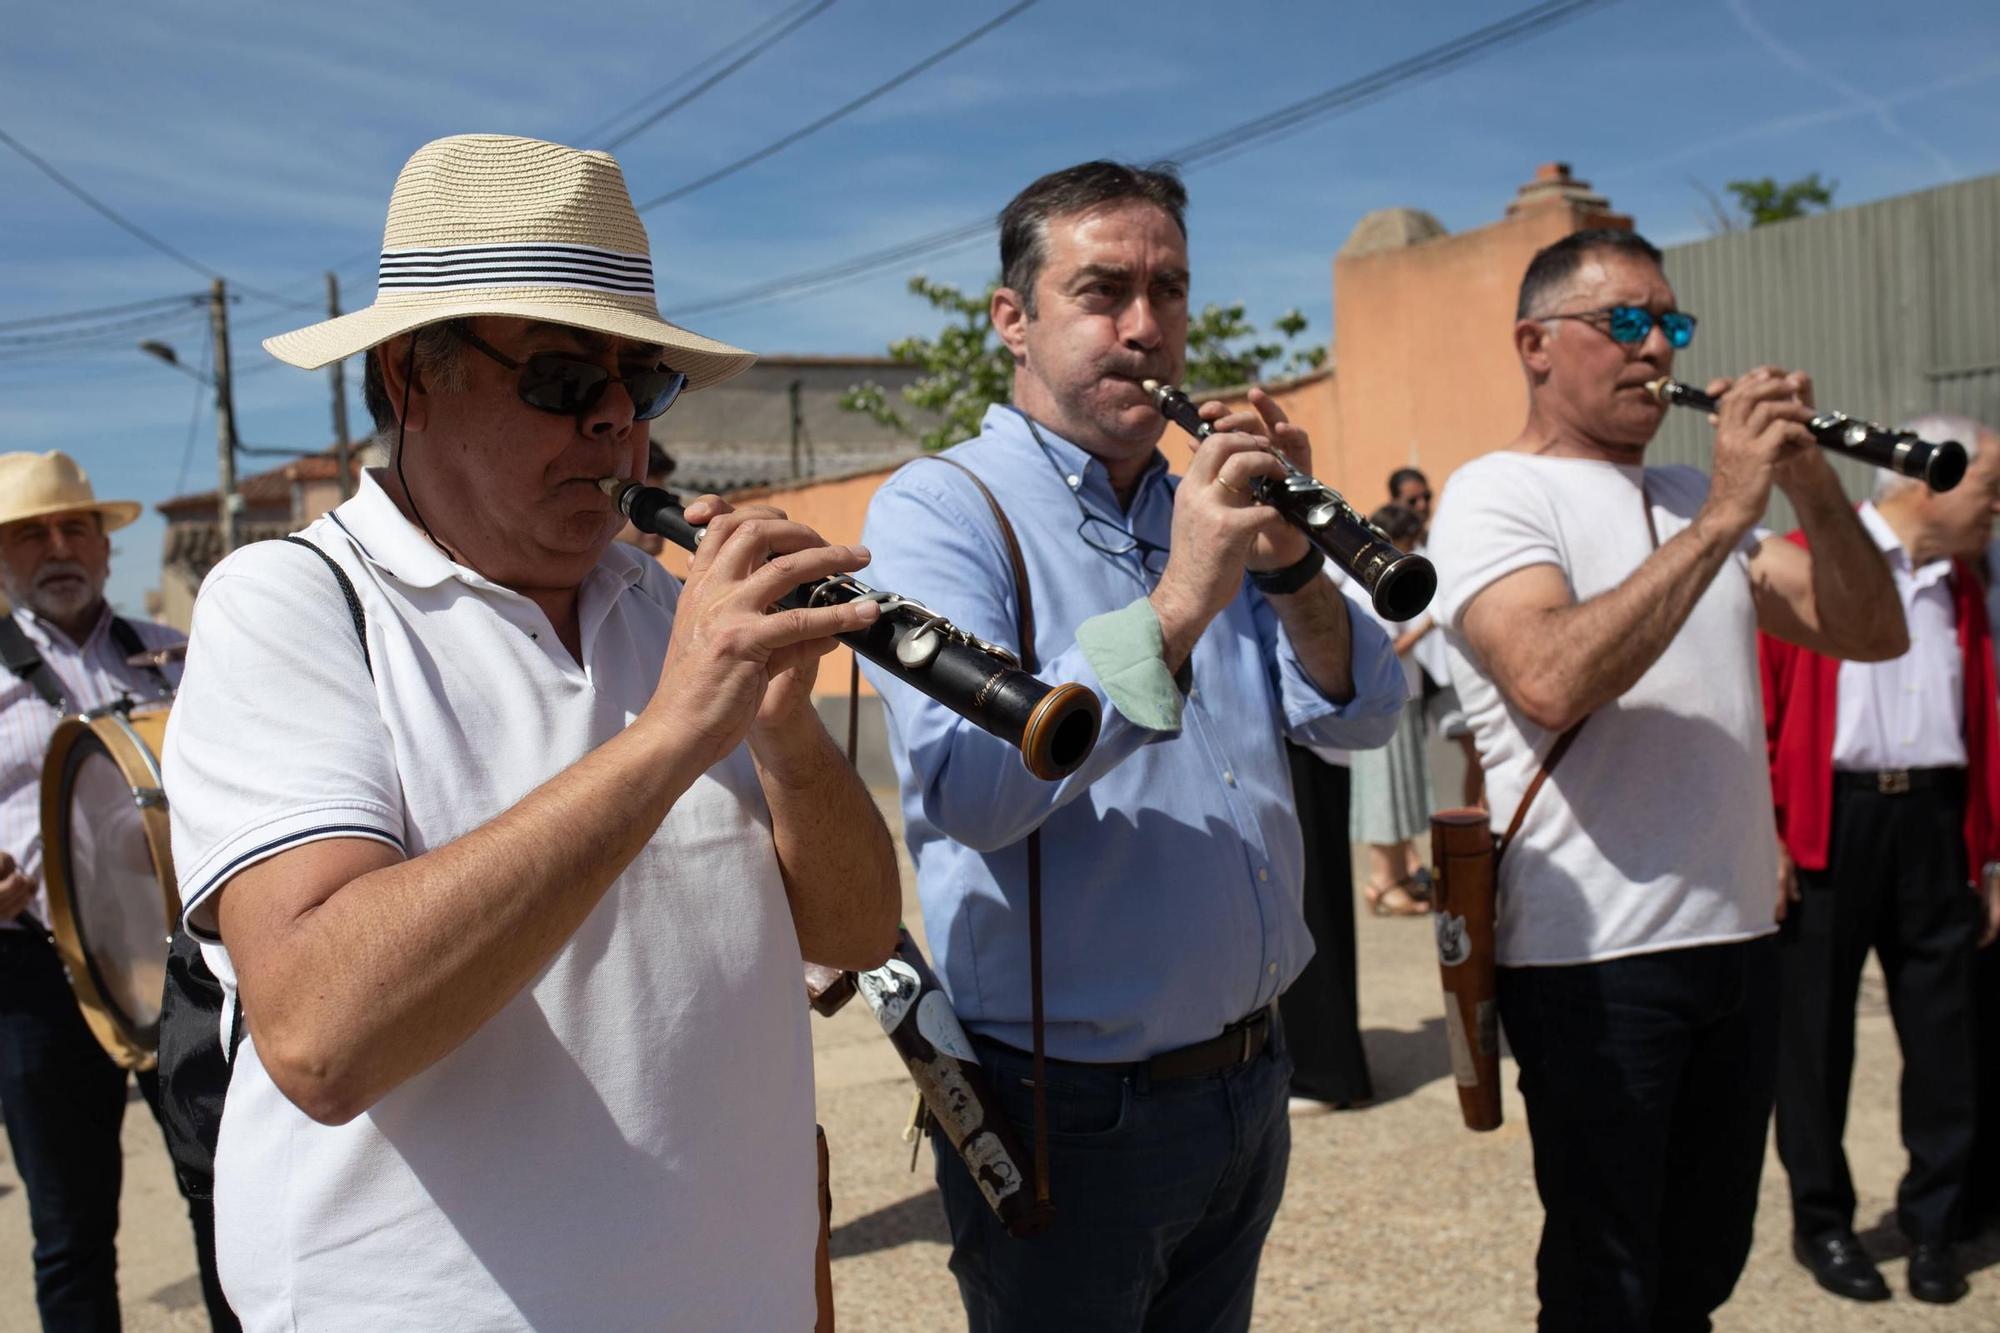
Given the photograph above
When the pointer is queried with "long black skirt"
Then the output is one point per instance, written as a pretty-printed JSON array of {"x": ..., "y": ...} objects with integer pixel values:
[{"x": 1320, "y": 1012}]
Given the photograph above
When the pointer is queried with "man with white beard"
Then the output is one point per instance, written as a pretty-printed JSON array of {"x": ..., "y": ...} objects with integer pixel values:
[{"x": 62, "y": 1096}]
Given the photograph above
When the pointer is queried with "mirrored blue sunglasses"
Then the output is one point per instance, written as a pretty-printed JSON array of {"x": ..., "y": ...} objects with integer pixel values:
[{"x": 1629, "y": 324}]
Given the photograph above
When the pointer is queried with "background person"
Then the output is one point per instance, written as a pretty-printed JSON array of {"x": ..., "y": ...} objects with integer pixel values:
[
  {"x": 1394, "y": 781},
  {"x": 1886, "y": 781},
  {"x": 62, "y": 1096}
]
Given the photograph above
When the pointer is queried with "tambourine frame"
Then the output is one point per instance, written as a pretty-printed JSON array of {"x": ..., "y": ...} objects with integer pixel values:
[{"x": 109, "y": 733}]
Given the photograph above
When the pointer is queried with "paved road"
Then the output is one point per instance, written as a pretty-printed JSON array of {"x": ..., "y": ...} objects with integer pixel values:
[{"x": 1395, "y": 1217}]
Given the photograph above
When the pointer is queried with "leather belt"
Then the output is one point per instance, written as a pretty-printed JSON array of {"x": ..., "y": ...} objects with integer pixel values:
[
  {"x": 1235, "y": 1046},
  {"x": 1901, "y": 781}
]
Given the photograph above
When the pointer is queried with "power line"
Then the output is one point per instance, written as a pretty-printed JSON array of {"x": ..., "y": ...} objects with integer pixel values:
[
  {"x": 75, "y": 316},
  {"x": 1203, "y": 152},
  {"x": 126, "y": 224},
  {"x": 53, "y": 337},
  {"x": 840, "y": 112},
  {"x": 759, "y": 39},
  {"x": 194, "y": 420}
]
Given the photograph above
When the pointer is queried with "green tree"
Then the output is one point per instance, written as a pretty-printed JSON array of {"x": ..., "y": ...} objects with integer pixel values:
[
  {"x": 1765, "y": 201},
  {"x": 967, "y": 369}
]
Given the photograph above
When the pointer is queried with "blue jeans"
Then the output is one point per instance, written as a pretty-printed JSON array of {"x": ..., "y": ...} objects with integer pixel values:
[
  {"x": 1649, "y": 1083},
  {"x": 64, "y": 1104},
  {"x": 1163, "y": 1195}
]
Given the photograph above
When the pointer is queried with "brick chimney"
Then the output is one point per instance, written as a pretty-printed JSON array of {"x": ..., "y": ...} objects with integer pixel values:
[{"x": 1554, "y": 187}]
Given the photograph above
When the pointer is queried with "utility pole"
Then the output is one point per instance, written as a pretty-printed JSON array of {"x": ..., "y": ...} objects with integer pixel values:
[
  {"x": 798, "y": 421},
  {"x": 343, "y": 462},
  {"x": 225, "y": 420}
]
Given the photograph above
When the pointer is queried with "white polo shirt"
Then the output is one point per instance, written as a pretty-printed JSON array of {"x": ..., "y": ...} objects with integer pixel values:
[{"x": 629, "y": 1142}]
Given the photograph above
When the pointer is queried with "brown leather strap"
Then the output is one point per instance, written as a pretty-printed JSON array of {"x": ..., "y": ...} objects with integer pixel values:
[
  {"x": 1549, "y": 761},
  {"x": 1025, "y": 649}
]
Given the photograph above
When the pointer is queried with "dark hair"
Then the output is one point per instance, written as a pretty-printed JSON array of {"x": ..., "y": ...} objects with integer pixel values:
[
  {"x": 1024, "y": 223},
  {"x": 1399, "y": 523},
  {"x": 659, "y": 466},
  {"x": 1402, "y": 475},
  {"x": 438, "y": 345},
  {"x": 1554, "y": 265}
]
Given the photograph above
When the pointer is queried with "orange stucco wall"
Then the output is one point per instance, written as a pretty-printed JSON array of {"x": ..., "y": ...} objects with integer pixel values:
[
  {"x": 835, "y": 509},
  {"x": 1428, "y": 374}
]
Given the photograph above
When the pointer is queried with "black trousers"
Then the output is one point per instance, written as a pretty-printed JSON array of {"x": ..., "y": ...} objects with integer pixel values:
[
  {"x": 1321, "y": 1013},
  {"x": 1982, "y": 1201},
  {"x": 64, "y": 1102},
  {"x": 1648, "y": 1083},
  {"x": 1895, "y": 882}
]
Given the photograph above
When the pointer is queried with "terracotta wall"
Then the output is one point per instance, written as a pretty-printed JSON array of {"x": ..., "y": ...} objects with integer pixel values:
[
  {"x": 1423, "y": 333},
  {"x": 833, "y": 508}
]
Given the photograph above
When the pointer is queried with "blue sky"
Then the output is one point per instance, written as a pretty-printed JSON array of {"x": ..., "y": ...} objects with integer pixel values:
[{"x": 263, "y": 139}]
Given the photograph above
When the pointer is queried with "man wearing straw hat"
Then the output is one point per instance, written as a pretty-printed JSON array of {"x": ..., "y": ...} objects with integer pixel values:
[
  {"x": 512, "y": 891},
  {"x": 62, "y": 1096}
]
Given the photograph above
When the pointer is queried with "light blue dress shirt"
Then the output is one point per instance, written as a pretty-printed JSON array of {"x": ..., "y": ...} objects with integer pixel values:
[{"x": 1172, "y": 863}]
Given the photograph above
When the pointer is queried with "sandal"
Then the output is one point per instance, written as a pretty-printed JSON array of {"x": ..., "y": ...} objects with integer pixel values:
[{"x": 1394, "y": 899}]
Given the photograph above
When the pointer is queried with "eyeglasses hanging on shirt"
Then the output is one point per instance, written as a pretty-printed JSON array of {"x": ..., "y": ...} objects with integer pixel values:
[{"x": 1099, "y": 533}]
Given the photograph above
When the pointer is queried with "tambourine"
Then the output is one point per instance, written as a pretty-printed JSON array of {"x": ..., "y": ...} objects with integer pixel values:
[{"x": 109, "y": 873}]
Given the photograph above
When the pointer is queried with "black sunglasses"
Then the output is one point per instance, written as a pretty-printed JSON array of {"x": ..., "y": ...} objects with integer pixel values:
[{"x": 570, "y": 386}]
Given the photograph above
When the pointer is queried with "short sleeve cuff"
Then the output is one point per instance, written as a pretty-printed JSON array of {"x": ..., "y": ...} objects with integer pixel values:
[
  {"x": 267, "y": 839},
  {"x": 1124, "y": 648}
]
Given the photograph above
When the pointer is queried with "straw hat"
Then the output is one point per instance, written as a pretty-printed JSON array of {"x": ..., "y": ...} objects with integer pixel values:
[
  {"x": 34, "y": 485},
  {"x": 488, "y": 224}
]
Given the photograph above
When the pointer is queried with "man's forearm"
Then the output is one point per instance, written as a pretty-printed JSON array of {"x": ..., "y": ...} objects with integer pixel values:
[
  {"x": 1855, "y": 606},
  {"x": 389, "y": 971},
  {"x": 833, "y": 848},
  {"x": 1567, "y": 662},
  {"x": 1315, "y": 619}
]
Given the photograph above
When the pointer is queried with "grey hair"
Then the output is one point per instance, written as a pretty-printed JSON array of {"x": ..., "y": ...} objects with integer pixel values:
[
  {"x": 1935, "y": 428},
  {"x": 439, "y": 350}
]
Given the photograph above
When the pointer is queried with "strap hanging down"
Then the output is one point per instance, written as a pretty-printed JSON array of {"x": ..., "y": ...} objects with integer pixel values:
[{"x": 1025, "y": 631}]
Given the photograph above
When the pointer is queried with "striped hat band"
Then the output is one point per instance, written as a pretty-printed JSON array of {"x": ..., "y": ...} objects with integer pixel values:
[{"x": 528, "y": 264}]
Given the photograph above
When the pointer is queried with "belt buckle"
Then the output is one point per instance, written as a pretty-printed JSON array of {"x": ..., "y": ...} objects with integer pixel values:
[{"x": 1893, "y": 781}]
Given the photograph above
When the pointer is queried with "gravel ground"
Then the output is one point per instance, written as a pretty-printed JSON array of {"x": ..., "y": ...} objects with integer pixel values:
[{"x": 1395, "y": 1217}]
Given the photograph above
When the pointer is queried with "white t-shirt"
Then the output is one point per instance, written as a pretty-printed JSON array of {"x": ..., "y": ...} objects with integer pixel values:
[
  {"x": 629, "y": 1142},
  {"x": 1655, "y": 831}
]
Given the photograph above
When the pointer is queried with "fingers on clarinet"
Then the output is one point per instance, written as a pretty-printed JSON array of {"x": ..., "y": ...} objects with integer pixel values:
[
  {"x": 808, "y": 565},
  {"x": 1267, "y": 407},
  {"x": 704, "y": 509},
  {"x": 804, "y": 624}
]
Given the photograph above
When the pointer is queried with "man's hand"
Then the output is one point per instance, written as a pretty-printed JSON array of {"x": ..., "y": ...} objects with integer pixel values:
[
  {"x": 16, "y": 889},
  {"x": 1788, "y": 884},
  {"x": 1760, "y": 439},
  {"x": 1216, "y": 525},
  {"x": 728, "y": 645},
  {"x": 1279, "y": 543}
]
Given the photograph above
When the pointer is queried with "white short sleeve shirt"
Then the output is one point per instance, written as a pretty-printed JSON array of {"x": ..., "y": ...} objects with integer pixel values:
[
  {"x": 628, "y": 1143},
  {"x": 1655, "y": 831}
]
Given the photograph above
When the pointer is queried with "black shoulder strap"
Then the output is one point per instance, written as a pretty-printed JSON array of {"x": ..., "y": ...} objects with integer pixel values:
[
  {"x": 25, "y": 661},
  {"x": 130, "y": 644},
  {"x": 353, "y": 599}
]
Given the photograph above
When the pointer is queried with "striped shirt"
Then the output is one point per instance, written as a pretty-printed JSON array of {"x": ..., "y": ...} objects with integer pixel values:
[{"x": 93, "y": 674}]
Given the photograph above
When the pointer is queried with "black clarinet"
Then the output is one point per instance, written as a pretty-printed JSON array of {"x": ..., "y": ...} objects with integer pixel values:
[
  {"x": 1054, "y": 726},
  {"x": 1400, "y": 585},
  {"x": 1938, "y": 466}
]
